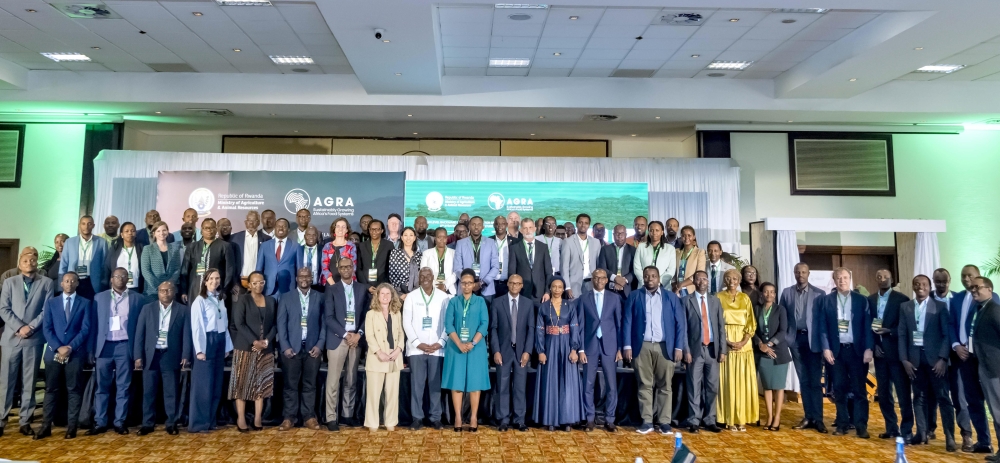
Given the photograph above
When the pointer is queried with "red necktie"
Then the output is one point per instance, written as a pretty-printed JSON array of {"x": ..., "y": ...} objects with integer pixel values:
[
  {"x": 277, "y": 253},
  {"x": 704, "y": 322}
]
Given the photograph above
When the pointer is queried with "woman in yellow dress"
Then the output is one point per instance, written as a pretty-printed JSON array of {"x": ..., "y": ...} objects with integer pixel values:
[{"x": 737, "y": 402}]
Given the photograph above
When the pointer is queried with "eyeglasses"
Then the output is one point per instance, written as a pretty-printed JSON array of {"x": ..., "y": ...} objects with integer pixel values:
[
  {"x": 978, "y": 287},
  {"x": 119, "y": 277}
]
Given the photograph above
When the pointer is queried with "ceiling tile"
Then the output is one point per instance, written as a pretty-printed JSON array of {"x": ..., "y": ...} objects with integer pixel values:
[
  {"x": 641, "y": 64},
  {"x": 846, "y": 19},
  {"x": 465, "y": 41},
  {"x": 754, "y": 45},
  {"x": 504, "y": 16},
  {"x": 316, "y": 26},
  {"x": 592, "y": 72},
  {"x": 507, "y": 71},
  {"x": 601, "y": 54},
  {"x": 331, "y": 50},
  {"x": 747, "y": 18},
  {"x": 562, "y": 42},
  {"x": 610, "y": 43},
  {"x": 658, "y": 44},
  {"x": 548, "y": 72},
  {"x": 668, "y": 32},
  {"x": 512, "y": 53},
  {"x": 561, "y": 15},
  {"x": 750, "y": 74},
  {"x": 709, "y": 44},
  {"x": 779, "y": 66},
  {"x": 649, "y": 54},
  {"x": 513, "y": 42},
  {"x": 980, "y": 70},
  {"x": 564, "y": 53},
  {"x": 323, "y": 60},
  {"x": 466, "y": 62},
  {"x": 985, "y": 49},
  {"x": 252, "y": 13},
  {"x": 740, "y": 55},
  {"x": 568, "y": 30},
  {"x": 465, "y": 29},
  {"x": 691, "y": 64},
  {"x": 919, "y": 76},
  {"x": 456, "y": 52},
  {"x": 553, "y": 62},
  {"x": 814, "y": 32},
  {"x": 619, "y": 30},
  {"x": 9, "y": 22},
  {"x": 706, "y": 57},
  {"x": 515, "y": 29},
  {"x": 292, "y": 49},
  {"x": 464, "y": 71},
  {"x": 772, "y": 27},
  {"x": 991, "y": 77},
  {"x": 465, "y": 14},
  {"x": 710, "y": 32},
  {"x": 9, "y": 46},
  {"x": 636, "y": 16},
  {"x": 674, "y": 73},
  {"x": 966, "y": 58},
  {"x": 338, "y": 69},
  {"x": 597, "y": 63}
]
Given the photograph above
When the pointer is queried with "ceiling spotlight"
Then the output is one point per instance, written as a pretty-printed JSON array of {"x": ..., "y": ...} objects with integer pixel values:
[
  {"x": 159, "y": 112},
  {"x": 919, "y": 48},
  {"x": 557, "y": 54},
  {"x": 532, "y": 135},
  {"x": 198, "y": 13},
  {"x": 385, "y": 41},
  {"x": 541, "y": 117},
  {"x": 66, "y": 56},
  {"x": 399, "y": 73},
  {"x": 941, "y": 68},
  {"x": 415, "y": 133},
  {"x": 633, "y": 134},
  {"x": 790, "y": 122},
  {"x": 95, "y": 48},
  {"x": 296, "y": 131},
  {"x": 272, "y": 114},
  {"x": 733, "y": 20},
  {"x": 237, "y": 50},
  {"x": 291, "y": 60},
  {"x": 853, "y": 80},
  {"x": 696, "y": 56},
  {"x": 730, "y": 65},
  {"x": 409, "y": 115},
  {"x": 657, "y": 117},
  {"x": 29, "y": 10},
  {"x": 787, "y": 21},
  {"x": 572, "y": 18}
]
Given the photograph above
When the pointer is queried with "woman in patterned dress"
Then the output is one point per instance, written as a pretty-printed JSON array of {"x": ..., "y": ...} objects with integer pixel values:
[
  {"x": 252, "y": 377},
  {"x": 340, "y": 245},
  {"x": 404, "y": 263},
  {"x": 558, "y": 388}
]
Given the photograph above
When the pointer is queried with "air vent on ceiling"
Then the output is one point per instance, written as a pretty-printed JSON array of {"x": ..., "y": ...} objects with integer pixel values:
[
  {"x": 601, "y": 117},
  {"x": 171, "y": 67},
  {"x": 211, "y": 112},
  {"x": 846, "y": 164},
  {"x": 681, "y": 19},
  {"x": 519, "y": 17},
  {"x": 86, "y": 10},
  {"x": 638, "y": 73}
]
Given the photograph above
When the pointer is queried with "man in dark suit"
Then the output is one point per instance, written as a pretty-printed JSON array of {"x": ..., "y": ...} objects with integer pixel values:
[
  {"x": 22, "y": 308},
  {"x": 144, "y": 236},
  {"x": 505, "y": 244},
  {"x": 373, "y": 257},
  {"x": 923, "y": 345},
  {"x": 512, "y": 338},
  {"x": 66, "y": 327},
  {"x": 206, "y": 253},
  {"x": 310, "y": 255},
  {"x": 658, "y": 343},
  {"x": 246, "y": 245},
  {"x": 804, "y": 342},
  {"x": 706, "y": 349},
  {"x": 161, "y": 349},
  {"x": 117, "y": 315},
  {"x": 889, "y": 374},
  {"x": 276, "y": 260},
  {"x": 984, "y": 343},
  {"x": 847, "y": 341},
  {"x": 964, "y": 379},
  {"x": 530, "y": 259},
  {"x": 602, "y": 314},
  {"x": 616, "y": 258},
  {"x": 301, "y": 338},
  {"x": 344, "y": 321}
]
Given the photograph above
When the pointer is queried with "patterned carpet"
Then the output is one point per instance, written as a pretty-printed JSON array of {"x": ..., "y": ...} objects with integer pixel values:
[{"x": 356, "y": 445}]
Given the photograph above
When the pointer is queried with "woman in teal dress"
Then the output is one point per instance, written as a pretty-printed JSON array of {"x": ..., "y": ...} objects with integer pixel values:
[{"x": 466, "y": 367}]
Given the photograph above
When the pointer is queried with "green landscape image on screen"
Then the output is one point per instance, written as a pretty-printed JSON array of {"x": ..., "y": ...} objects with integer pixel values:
[{"x": 442, "y": 202}]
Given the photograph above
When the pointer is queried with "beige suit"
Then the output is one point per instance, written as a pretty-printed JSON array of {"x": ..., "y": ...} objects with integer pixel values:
[
  {"x": 382, "y": 376},
  {"x": 696, "y": 261}
]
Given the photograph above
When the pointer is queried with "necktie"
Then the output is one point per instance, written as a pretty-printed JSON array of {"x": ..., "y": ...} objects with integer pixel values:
[
  {"x": 277, "y": 252},
  {"x": 69, "y": 308},
  {"x": 715, "y": 273},
  {"x": 513, "y": 318},
  {"x": 600, "y": 308},
  {"x": 704, "y": 322},
  {"x": 531, "y": 255}
]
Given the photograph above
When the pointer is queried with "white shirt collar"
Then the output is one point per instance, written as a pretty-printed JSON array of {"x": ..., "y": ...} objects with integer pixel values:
[
  {"x": 68, "y": 296},
  {"x": 601, "y": 292},
  {"x": 168, "y": 307}
]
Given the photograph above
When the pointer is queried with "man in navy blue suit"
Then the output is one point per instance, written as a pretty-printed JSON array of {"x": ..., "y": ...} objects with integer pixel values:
[
  {"x": 161, "y": 349},
  {"x": 117, "y": 314},
  {"x": 658, "y": 343},
  {"x": 601, "y": 313},
  {"x": 66, "y": 327},
  {"x": 276, "y": 260},
  {"x": 847, "y": 338},
  {"x": 302, "y": 338}
]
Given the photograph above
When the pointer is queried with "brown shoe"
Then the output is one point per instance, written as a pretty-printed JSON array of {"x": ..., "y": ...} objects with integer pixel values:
[
  {"x": 286, "y": 425},
  {"x": 311, "y": 423}
]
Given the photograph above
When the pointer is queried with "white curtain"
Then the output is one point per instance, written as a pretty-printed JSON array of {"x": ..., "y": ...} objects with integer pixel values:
[
  {"x": 787, "y": 249},
  {"x": 926, "y": 258},
  {"x": 717, "y": 179}
]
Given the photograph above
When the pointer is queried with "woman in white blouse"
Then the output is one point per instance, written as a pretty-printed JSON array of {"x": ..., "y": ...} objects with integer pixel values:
[
  {"x": 210, "y": 336},
  {"x": 440, "y": 259}
]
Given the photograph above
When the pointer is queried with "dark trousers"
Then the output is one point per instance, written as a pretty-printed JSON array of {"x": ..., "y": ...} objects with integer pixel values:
[
  {"x": 113, "y": 365},
  {"x": 968, "y": 399},
  {"x": 609, "y": 367},
  {"x": 809, "y": 368},
  {"x": 501, "y": 288},
  {"x": 301, "y": 372},
  {"x": 58, "y": 375},
  {"x": 157, "y": 376},
  {"x": 86, "y": 289},
  {"x": 425, "y": 372},
  {"x": 925, "y": 382},
  {"x": 508, "y": 373},
  {"x": 206, "y": 383},
  {"x": 889, "y": 374},
  {"x": 850, "y": 376}
]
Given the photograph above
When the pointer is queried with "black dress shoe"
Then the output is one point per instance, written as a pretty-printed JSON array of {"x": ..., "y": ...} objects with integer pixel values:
[
  {"x": 502, "y": 428},
  {"x": 820, "y": 427},
  {"x": 589, "y": 427},
  {"x": 863, "y": 433},
  {"x": 1, "y": 431},
  {"x": 96, "y": 431},
  {"x": 70, "y": 433},
  {"x": 804, "y": 424},
  {"x": 437, "y": 425},
  {"x": 122, "y": 430},
  {"x": 950, "y": 445},
  {"x": 416, "y": 425},
  {"x": 840, "y": 432},
  {"x": 693, "y": 429},
  {"x": 172, "y": 430},
  {"x": 332, "y": 426},
  {"x": 145, "y": 430},
  {"x": 992, "y": 457},
  {"x": 931, "y": 436},
  {"x": 256, "y": 428},
  {"x": 713, "y": 428},
  {"x": 42, "y": 433},
  {"x": 888, "y": 435},
  {"x": 27, "y": 431},
  {"x": 610, "y": 427},
  {"x": 522, "y": 427},
  {"x": 982, "y": 448},
  {"x": 918, "y": 440}
]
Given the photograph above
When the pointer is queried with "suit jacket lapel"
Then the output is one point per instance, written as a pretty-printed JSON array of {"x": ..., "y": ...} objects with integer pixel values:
[{"x": 34, "y": 288}]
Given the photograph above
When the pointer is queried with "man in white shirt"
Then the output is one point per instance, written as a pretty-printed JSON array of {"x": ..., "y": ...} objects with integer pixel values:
[
  {"x": 579, "y": 258},
  {"x": 553, "y": 242},
  {"x": 248, "y": 243},
  {"x": 715, "y": 267},
  {"x": 423, "y": 314},
  {"x": 504, "y": 242},
  {"x": 268, "y": 220},
  {"x": 302, "y": 219},
  {"x": 513, "y": 222}
]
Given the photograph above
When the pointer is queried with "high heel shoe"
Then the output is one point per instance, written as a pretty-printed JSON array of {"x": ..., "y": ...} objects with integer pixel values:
[
  {"x": 458, "y": 428},
  {"x": 775, "y": 428},
  {"x": 242, "y": 430},
  {"x": 767, "y": 428},
  {"x": 256, "y": 428}
]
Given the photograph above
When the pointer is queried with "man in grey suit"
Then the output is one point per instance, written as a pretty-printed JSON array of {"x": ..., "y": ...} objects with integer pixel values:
[
  {"x": 804, "y": 342},
  {"x": 602, "y": 314},
  {"x": 924, "y": 348},
  {"x": 22, "y": 308},
  {"x": 579, "y": 257},
  {"x": 706, "y": 349}
]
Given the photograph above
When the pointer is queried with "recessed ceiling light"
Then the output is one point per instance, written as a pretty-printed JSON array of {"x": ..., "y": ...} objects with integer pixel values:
[
  {"x": 733, "y": 20},
  {"x": 509, "y": 62},
  {"x": 291, "y": 60},
  {"x": 399, "y": 73},
  {"x": 696, "y": 56},
  {"x": 519, "y": 17},
  {"x": 633, "y": 134},
  {"x": 942, "y": 68},
  {"x": 29, "y": 10},
  {"x": 716, "y": 74},
  {"x": 541, "y": 117},
  {"x": 730, "y": 65},
  {"x": 415, "y": 133},
  {"x": 385, "y": 41},
  {"x": 657, "y": 117},
  {"x": 919, "y": 48},
  {"x": 409, "y": 115},
  {"x": 532, "y": 135},
  {"x": 787, "y": 21},
  {"x": 272, "y": 114},
  {"x": 243, "y": 2},
  {"x": 853, "y": 80},
  {"x": 296, "y": 131},
  {"x": 557, "y": 54},
  {"x": 159, "y": 112},
  {"x": 66, "y": 56},
  {"x": 791, "y": 121},
  {"x": 198, "y": 13},
  {"x": 95, "y": 48},
  {"x": 572, "y": 18},
  {"x": 237, "y": 50},
  {"x": 530, "y": 6}
]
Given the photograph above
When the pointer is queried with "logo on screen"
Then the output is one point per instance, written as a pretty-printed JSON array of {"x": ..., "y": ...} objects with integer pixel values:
[
  {"x": 434, "y": 201},
  {"x": 296, "y": 199},
  {"x": 202, "y": 200},
  {"x": 495, "y": 201}
]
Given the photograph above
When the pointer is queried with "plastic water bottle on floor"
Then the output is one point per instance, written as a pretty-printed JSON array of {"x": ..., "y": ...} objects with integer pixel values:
[
  {"x": 677, "y": 440},
  {"x": 900, "y": 456},
  {"x": 638, "y": 460}
]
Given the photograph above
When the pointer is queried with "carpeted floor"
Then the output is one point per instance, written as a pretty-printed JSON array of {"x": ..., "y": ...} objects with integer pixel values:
[{"x": 356, "y": 445}]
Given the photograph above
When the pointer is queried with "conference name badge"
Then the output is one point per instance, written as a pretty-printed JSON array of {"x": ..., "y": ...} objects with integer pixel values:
[
  {"x": 475, "y": 268},
  {"x": 441, "y": 277},
  {"x": 161, "y": 338},
  {"x": 876, "y": 324},
  {"x": 304, "y": 320},
  {"x": 842, "y": 325},
  {"x": 501, "y": 266},
  {"x": 918, "y": 338},
  {"x": 200, "y": 269},
  {"x": 130, "y": 283},
  {"x": 372, "y": 275},
  {"x": 350, "y": 317},
  {"x": 81, "y": 269},
  {"x": 115, "y": 323},
  {"x": 427, "y": 323},
  {"x": 463, "y": 334}
]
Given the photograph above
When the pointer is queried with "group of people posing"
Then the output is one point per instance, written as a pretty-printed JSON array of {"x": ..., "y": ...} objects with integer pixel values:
[{"x": 446, "y": 305}]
